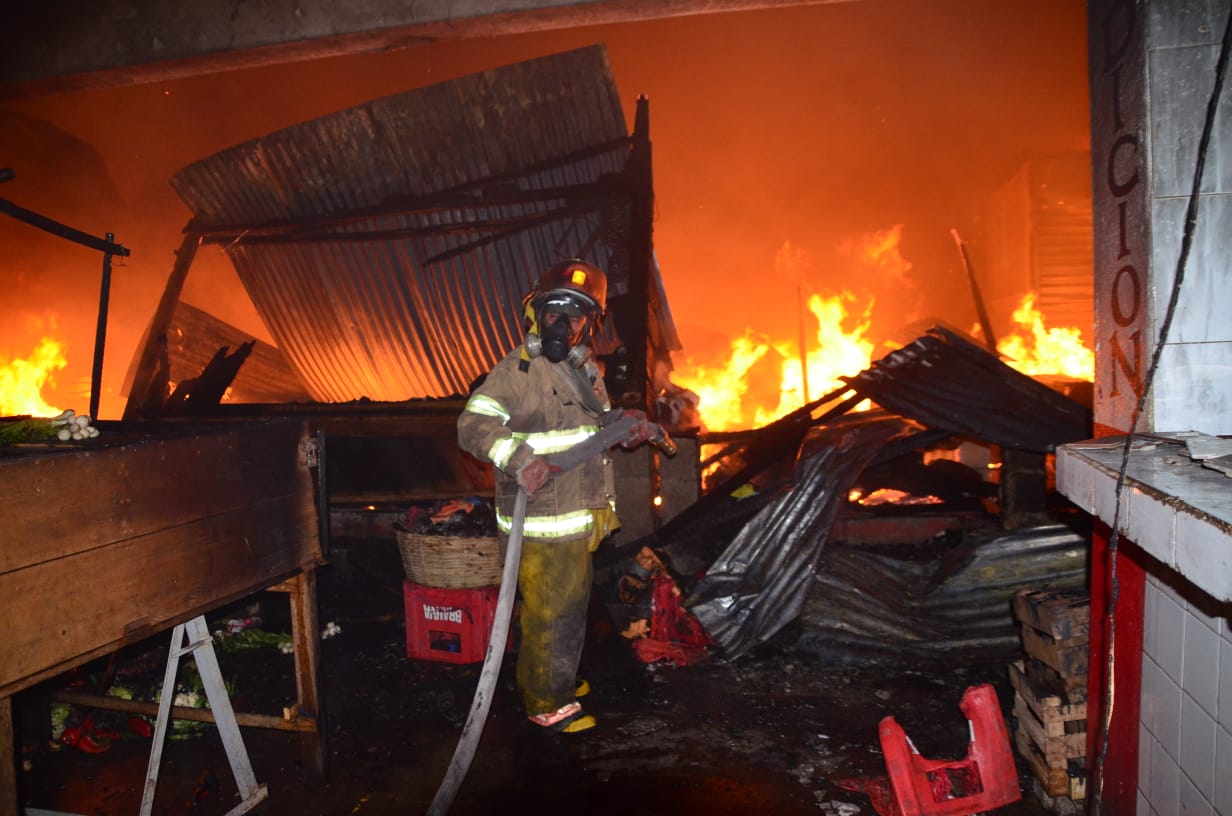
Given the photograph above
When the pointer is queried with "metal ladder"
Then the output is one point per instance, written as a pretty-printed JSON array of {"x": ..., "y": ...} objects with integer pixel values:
[{"x": 201, "y": 645}]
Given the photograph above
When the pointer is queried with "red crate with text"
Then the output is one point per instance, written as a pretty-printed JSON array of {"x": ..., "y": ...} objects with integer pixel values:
[{"x": 449, "y": 625}]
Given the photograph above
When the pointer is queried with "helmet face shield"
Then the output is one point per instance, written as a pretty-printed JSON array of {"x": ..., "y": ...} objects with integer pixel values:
[{"x": 567, "y": 303}]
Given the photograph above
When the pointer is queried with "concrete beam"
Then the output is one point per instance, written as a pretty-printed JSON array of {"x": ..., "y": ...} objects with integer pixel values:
[{"x": 79, "y": 44}]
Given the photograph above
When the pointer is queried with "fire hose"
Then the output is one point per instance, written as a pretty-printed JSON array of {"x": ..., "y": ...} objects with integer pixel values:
[{"x": 609, "y": 435}]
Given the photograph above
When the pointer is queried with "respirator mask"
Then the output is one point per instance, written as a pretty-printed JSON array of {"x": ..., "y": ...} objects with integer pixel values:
[{"x": 562, "y": 321}]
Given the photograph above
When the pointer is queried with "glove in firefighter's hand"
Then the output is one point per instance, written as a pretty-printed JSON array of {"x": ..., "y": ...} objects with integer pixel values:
[
  {"x": 534, "y": 474},
  {"x": 642, "y": 431}
]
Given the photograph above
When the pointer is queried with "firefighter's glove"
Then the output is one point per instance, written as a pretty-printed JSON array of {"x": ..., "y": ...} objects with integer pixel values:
[
  {"x": 534, "y": 474},
  {"x": 641, "y": 431}
]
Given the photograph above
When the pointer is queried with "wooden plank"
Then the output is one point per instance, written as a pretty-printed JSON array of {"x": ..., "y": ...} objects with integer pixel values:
[
  {"x": 1067, "y": 657},
  {"x": 305, "y": 627},
  {"x": 57, "y": 503},
  {"x": 145, "y": 376},
  {"x": 205, "y": 715},
  {"x": 76, "y": 607},
  {"x": 1063, "y": 615}
]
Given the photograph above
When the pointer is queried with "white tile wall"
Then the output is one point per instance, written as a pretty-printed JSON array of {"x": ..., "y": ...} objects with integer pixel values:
[
  {"x": 1185, "y": 738},
  {"x": 1185, "y": 746}
]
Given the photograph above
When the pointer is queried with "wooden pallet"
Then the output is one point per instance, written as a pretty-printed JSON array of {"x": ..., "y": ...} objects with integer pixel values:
[
  {"x": 1056, "y": 633},
  {"x": 1060, "y": 615},
  {"x": 1047, "y": 680},
  {"x": 1052, "y": 780},
  {"x": 1050, "y": 736},
  {"x": 1067, "y": 657}
]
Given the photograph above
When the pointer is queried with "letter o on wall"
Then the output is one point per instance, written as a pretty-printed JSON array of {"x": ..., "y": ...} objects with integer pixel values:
[
  {"x": 1126, "y": 287},
  {"x": 1123, "y": 188}
]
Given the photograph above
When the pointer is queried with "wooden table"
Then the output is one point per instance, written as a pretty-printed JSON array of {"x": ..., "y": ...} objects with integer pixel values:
[{"x": 108, "y": 541}]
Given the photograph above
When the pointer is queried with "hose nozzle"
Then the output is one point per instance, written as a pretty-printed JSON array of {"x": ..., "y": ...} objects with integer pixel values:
[{"x": 664, "y": 442}]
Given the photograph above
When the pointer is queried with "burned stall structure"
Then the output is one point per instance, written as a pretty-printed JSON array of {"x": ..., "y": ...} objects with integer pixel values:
[
  {"x": 148, "y": 529},
  {"x": 386, "y": 249}
]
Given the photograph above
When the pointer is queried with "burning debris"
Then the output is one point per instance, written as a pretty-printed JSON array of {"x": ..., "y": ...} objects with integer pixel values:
[{"x": 939, "y": 387}]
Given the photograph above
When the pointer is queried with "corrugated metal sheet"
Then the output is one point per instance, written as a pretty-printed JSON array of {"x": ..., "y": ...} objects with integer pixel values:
[
  {"x": 1062, "y": 266},
  {"x": 387, "y": 246},
  {"x": 949, "y": 383},
  {"x": 762, "y": 579},
  {"x": 950, "y": 604}
]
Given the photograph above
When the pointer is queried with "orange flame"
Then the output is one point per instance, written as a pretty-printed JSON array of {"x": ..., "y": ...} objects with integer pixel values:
[
  {"x": 763, "y": 378},
  {"x": 839, "y": 353},
  {"x": 726, "y": 396},
  {"x": 1033, "y": 349},
  {"x": 22, "y": 380}
]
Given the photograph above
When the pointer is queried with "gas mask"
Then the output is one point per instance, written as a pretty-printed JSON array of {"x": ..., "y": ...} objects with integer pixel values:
[{"x": 562, "y": 324}]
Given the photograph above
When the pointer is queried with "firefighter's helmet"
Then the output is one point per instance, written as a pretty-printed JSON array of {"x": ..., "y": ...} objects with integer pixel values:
[
  {"x": 577, "y": 289},
  {"x": 577, "y": 277}
]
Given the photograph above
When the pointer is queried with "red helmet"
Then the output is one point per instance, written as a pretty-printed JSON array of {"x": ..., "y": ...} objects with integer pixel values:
[{"x": 574, "y": 277}]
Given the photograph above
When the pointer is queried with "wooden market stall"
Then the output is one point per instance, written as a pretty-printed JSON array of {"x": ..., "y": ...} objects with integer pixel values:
[{"x": 166, "y": 522}]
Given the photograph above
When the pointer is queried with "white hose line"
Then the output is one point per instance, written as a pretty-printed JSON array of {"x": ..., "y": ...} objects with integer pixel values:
[{"x": 473, "y": 729}]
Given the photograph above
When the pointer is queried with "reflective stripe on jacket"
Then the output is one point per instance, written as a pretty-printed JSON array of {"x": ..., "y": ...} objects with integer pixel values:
[{"x": 534, "y": 407}]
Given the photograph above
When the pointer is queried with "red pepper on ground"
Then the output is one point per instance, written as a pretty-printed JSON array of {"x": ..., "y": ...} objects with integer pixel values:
[
  {"x": 140, "y": 726},
  {"x": 71, "y": 736},
  {"x": 86, "y": 743}
]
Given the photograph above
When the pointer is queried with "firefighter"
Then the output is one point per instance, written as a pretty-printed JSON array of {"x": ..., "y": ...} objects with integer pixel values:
[{"x": 544, "y": 397}]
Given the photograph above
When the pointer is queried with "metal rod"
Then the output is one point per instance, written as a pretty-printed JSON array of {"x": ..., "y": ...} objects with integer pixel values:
[
  {"x": 985, "y": 323},
  {"x": 100, "y": 332},
  {"x": 56, "y": 228}
]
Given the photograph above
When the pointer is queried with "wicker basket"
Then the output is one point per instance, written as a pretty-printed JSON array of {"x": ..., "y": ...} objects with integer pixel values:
[{"x": 450, "y": 561}]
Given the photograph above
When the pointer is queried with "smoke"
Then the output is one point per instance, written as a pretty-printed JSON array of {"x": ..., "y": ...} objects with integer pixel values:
[{"x": 806, "y": 125}]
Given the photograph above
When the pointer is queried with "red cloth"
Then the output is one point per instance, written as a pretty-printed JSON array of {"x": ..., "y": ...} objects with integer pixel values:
[{"x": 675, "y": 634}]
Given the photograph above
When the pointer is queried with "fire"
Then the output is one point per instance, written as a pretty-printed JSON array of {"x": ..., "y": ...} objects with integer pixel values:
[
  {"x": 1033, "y": 350},
  {"x": 839, "y": 352},
  {"x": 764, "y": 378},
  {"x": 727, "y": 396},
  {"x": 22, "y": 380}
]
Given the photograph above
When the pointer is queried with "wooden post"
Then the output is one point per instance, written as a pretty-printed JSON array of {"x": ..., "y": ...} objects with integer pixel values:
[
  {"x": 147, "y": 368},
  {"x": 641, "y": 248},
  {"x": 8, "y": 760},
  {"x": 305, "y": 628}
]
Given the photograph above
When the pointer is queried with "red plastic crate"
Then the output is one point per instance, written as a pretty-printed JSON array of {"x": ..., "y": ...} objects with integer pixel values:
[
  {"x": 449, "y": 625},
  {"x": 985, "y": 779}
]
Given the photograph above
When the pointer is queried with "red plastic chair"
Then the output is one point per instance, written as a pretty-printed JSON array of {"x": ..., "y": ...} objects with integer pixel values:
[{"x": 984, "y": 780}]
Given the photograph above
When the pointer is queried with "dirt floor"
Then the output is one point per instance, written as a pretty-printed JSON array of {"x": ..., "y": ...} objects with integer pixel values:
[{"x": 772, "y": 732}]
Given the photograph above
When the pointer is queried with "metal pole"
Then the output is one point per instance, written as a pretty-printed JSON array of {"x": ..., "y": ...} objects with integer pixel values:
[
  {"x": 985, "y": 324},
  {"x": 100, "y": 332}
]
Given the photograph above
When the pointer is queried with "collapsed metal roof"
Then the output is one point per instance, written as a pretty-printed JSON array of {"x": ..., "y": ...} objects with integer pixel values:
[{"x": 387, "y": 246}]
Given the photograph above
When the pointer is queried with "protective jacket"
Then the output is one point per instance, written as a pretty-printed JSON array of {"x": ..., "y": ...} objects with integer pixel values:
[{"x": 531, "y": 406}]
